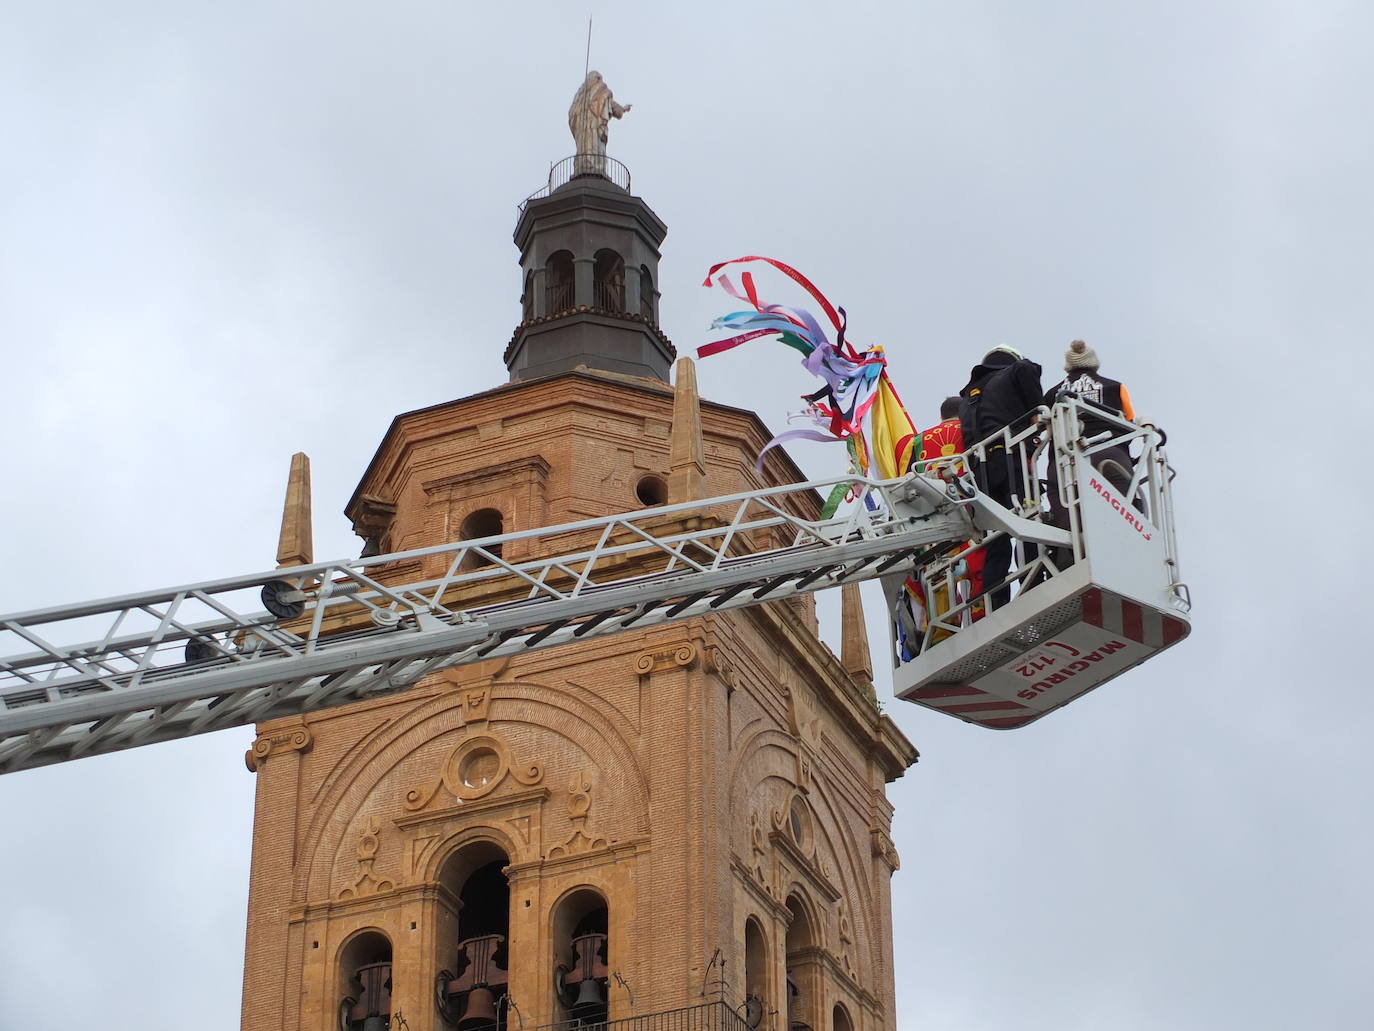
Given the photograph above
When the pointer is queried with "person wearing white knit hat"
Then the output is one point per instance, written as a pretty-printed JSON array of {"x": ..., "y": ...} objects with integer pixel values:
[{"x": 1082, "y": 378}]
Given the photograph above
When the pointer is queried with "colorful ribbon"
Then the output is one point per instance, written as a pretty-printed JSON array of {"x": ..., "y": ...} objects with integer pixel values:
[{"x": 857, "y": 400}]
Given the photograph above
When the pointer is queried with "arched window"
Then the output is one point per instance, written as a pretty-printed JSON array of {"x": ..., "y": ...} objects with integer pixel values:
[
  {"x": 646, "y": 293},
  {"x": 485, "y": 522},
  {"x": 558, "y": 291},
  {"x": 365, "y": 982},
  {"x": 581, "y": 945},
  {"x": 755, "y": 972},
  {"x": 608, "y": 281},
  {"x": 476, "y": 973},
  {"x": 839, "y": 1019},
  {"x": 803, "y": 981},
  {"x": 527, "y": 298}
]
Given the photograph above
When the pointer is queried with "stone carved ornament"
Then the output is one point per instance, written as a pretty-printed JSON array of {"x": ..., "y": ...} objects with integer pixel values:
[
  {"x": 682, "y": 655},
  {"x": 293, "y": 739},
  {"x": 721, "y": 666},
  {"x": 847, "y": 940},
  {"x": 367, "y": 883},
  {"x": 804, "y": 843},
  {"x": 805, "y": 728},
  {"x": 579, "y": 805},
  {"x": 884, "y": 849},
  {"x": 769, "y": 868},
  {"x": 474, "y": 769},
  {"x": 760, "y": 852}
]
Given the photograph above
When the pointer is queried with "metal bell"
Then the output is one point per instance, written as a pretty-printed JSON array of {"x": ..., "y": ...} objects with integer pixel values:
[
  {"x": 589, "y": 997},
  {"x": 479, "y": 1010}
]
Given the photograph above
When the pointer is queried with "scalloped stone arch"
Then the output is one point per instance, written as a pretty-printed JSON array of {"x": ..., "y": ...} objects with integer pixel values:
[
  {"x": 349, "y": 941},
  {"x": 473, "y": 834},
  {"x": 612, "y": 740},
  {"x": 555, "y": 911},
  {"x": 359, "y": 773},
  {"x": 807, "y": 905},
  {"x": 758, "y": 959},
  {"x": 747, "y": 751},
  {"x": 600, "y": 886},
  {"x": 354, "y": 935},
  {"x": 848, "y": 855},
  {"x": 345, "y": 780}
]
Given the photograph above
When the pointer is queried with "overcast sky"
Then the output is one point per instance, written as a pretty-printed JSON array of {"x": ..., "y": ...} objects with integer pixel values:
[{"x": 230, "y": 231}]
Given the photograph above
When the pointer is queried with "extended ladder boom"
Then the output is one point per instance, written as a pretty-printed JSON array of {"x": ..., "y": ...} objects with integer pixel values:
[{"x": 203, "y": 657}]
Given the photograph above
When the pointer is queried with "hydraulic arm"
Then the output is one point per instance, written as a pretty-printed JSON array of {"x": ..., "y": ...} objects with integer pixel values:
[
  {"x": 1094, "y": 590},
  {"x": 203, "y": 657}
]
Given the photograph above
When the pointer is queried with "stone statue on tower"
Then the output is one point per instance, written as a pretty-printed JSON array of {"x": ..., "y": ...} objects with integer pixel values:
[{"x": 592, "y": 109}]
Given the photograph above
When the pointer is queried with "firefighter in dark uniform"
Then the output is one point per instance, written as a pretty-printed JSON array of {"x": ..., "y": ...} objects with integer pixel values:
[
  {"x": 1083, "y": 379},
  {"x": 1003, "y": 391}
]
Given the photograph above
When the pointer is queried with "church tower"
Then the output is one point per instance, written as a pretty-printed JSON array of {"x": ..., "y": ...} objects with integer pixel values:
[{"x": 685, "y": 825}]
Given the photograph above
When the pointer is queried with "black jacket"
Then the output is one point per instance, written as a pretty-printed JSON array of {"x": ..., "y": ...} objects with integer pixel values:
[
  {"x": 1002, "y": 391},
  {"x": 1095, "y": 389}
]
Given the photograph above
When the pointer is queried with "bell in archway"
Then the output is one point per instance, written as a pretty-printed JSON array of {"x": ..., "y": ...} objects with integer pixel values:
[
  {"x": 590, "y": 999},
  {"x": 479, "y": 1011}
]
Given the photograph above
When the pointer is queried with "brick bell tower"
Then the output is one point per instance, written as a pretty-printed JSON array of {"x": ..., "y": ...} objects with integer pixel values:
[{"x": 685, "y": 825}]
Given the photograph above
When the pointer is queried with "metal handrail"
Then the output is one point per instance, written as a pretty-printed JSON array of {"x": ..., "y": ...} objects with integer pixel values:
[
  {"x": 952, "y": 606},
  {"x": 576, "y": 165},
  {"x": 709, "y": 1016}
]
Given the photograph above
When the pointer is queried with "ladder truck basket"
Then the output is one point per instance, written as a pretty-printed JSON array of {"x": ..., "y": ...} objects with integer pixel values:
[{"x": 1093, "y": 587}]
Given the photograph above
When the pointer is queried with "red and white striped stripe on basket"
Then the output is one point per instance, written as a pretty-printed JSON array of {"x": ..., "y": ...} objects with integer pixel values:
[
  {"x": 1142, "y": 625},
  {"x": 1150, "y": 628}
]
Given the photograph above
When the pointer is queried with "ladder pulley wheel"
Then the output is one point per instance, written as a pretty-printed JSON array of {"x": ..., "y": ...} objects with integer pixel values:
[{"x": 282, "y": 599}]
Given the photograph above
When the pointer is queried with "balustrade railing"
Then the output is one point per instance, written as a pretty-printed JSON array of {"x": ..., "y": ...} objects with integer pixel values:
[{"x": 570, "y": 168}]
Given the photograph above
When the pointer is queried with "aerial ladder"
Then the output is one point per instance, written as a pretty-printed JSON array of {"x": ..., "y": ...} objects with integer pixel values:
[{"x": 1094, "y": 590}]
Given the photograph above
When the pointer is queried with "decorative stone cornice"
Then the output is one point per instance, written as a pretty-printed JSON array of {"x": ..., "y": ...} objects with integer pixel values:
[
  {"x": 681, "y": 655},
  {"x": 532, "y": 468},
  {"x": 648, "y": 325},
  {"x": 292, "y": 739},
  {"x": 372, "y": 516},
  {"x": 717, "y": 663},
  {"x": 883, "y": 848},
  {"x": 532, "y": 798}
]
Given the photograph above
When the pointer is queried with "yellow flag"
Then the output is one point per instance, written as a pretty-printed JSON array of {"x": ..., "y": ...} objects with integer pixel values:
[{"x": 894, "y": 435}]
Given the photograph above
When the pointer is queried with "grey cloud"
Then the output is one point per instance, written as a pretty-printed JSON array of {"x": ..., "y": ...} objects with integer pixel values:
[{"x": 235, "y": 231}]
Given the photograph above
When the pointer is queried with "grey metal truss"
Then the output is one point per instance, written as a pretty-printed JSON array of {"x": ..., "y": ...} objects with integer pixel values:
[{"x": 202, "y": 657}]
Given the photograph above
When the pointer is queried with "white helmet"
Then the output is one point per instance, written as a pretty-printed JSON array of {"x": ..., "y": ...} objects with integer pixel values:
[{"x": 1004, "y": 349}]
